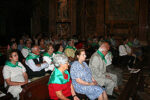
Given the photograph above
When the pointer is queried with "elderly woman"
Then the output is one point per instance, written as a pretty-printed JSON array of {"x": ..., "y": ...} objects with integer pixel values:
[
  {"x": 48, "y": 56},
  {"x": 60, "y": 86},
  {"x": 14, "y": 74},
  {"x": 82, "y": 79}
]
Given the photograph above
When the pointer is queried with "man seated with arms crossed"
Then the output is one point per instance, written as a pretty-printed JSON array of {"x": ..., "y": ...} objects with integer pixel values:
[
  {"x": 36, "y": 67},
  {"x": 97, "y": 65}
]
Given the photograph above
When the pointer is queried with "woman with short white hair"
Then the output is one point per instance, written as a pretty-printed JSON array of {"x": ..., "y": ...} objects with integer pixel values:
[{"x": 60, "y": 82}]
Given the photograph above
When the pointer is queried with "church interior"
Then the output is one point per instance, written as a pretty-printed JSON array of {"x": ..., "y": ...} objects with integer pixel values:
[{"x": 89, "y": 24}]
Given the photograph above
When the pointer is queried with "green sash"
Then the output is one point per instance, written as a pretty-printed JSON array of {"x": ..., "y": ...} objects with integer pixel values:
[
  {"x": 8, "y": 63},
  {"x": 32, "y": 56},
  {"x": 109, "y": 53},
  {"x": 70, "y": 47},
  {"x": 129, "y": 44},
  {"x": 0, "y": 54},
  {"x": 27, "y": 48},
  {"x": 102, "y": 56},
  {"x": 58, "y": 52},
  {"x": 48, "y": 55},
  {"x": 58, "y": 78}
]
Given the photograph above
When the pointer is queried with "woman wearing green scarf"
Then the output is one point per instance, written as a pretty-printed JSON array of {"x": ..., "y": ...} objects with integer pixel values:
[
  {"x": 59, "y": 49},
  {"x": 14, "y": 74},
  {"x": 48, "y": 56},
  {"x": 59, "y": 85}
]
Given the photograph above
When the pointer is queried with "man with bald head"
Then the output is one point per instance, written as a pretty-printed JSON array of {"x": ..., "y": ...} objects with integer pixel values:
[
  {"x": 35, "y": 65},
  {"x": 97, "y": 65}
]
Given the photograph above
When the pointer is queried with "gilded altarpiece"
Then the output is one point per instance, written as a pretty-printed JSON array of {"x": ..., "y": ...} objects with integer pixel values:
[{"x": 63, "y": 17}]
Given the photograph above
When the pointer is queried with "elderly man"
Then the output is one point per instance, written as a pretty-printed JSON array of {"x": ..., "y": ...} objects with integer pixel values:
[
  {"x": 35, "y": 65},
  {"x": 97, "y": 65}
]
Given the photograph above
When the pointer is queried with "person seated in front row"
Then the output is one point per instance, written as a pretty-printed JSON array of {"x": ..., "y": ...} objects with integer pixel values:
[
  {"x": 36, "y": 67},
  {"x": 97, "y": 65},
  {"x": 59, "y": 85},
  {"x": 14, "y": 74},
  {"x": 82, "y": 79},
  {"x": 48, "y": 56}
]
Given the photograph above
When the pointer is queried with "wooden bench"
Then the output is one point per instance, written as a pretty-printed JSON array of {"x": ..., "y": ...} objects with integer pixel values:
[
  {"x": 134, "y": 84},
  {"x": 36, "y": 90},
  {"x": 2, "y": 80}
]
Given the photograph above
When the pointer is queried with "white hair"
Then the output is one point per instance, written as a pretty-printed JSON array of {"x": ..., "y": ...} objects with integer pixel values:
[
  {"x": 34, "y": 48},
  {"x": 60, "y": 59},
  {"x": 102, "y": 49}
]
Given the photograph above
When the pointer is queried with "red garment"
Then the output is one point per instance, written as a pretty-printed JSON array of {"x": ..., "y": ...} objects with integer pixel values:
[
  {"x": 79, "y": 46},
  {"x": 65, "y": 88}
]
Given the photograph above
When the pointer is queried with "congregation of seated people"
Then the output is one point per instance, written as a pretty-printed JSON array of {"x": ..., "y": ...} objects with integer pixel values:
[{"x": 65, "y": 61}]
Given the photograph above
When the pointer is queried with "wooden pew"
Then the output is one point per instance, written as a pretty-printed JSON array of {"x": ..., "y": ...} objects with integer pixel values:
[
  {"x": 133, "y": 85},
  {"x": 36, "y": 90},
  {"x": 1, "y": 77},
  {"x": 2, "y": 80}
]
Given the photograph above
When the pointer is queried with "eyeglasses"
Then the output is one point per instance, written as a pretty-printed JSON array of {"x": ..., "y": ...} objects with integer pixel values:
[{"x": 84, "y": 55}]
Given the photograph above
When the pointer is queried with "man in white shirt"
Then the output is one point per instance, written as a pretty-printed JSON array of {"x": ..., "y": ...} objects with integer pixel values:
[
  {"x": 126, "y": 57},
  {"x": 35, "y": 65}
]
